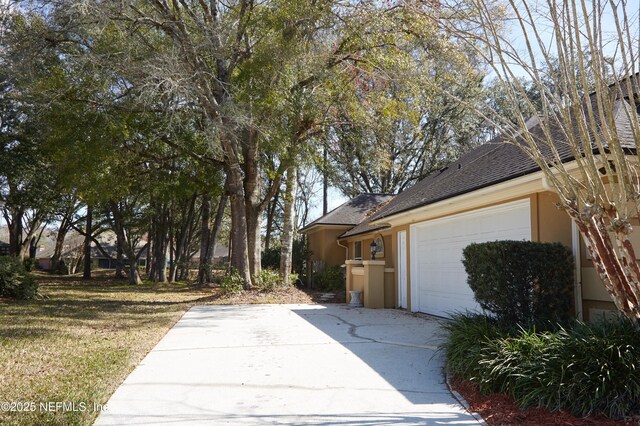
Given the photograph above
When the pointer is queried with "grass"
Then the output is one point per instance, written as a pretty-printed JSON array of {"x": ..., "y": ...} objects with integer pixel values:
[{"x": 80, "y": 340}]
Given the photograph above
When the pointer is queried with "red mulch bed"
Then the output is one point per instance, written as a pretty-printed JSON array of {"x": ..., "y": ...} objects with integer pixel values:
[{"x": 500, "y": 410}]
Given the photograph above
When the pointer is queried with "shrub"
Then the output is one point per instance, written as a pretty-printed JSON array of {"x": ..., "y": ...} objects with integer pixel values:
[
  {"x": 583, "y": 368},
  {"x": 587, "y": 369},
  {"x": 15, "y": 281},
  {"x": 332, "y": 278},
  {"x": 29, "y": 264},
  {"x": 232, "y": 283},
  {"x": 267, "y": 280},
  {"x": 521, "y": 282},
  {"x": 467, "y": 335},
  {"x": 271, "y": 256}
]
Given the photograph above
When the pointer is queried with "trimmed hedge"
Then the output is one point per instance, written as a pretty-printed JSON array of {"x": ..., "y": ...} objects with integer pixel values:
[
  {"x": 15, "y": 281},
  {"x": 521, "y": 282},
  {"x": 583, "y": 368}
]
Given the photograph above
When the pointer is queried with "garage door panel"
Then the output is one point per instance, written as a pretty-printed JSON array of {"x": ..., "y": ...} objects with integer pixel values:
[{"x": 439, "y": 281}]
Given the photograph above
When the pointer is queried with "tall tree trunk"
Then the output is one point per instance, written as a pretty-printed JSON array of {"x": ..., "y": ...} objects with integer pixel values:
[
  {"x": 162, "y": 252},
  {"x": 124, "y": 244},
  {"x": 14, "y": 221},
  {"x": 217, "y": 223},
  {"x": 271, "y": 212},
  {"x": 240, "y": 253},
  {"x": 57, "y": 251},
  {"x": 150, "y": 242},
  {"x": 181, "y": 239},
  {"x": 158, "y": 270},
  {"x": 286, "y": 253},
  {"x": 27, "y": 244},
  {"x": 119, "y": 274},
  {"x": 253, "y": 193},
  {"x": 325, "y": 182},
  {"x": 134, "y": 274},
  {"x": 87, "y": 244},
  {"x": 204, "y": 266},
  {"x": 33, "y": 247},
  {"x": 254, "y": 239},
  {"x": 173, "y": 261}
]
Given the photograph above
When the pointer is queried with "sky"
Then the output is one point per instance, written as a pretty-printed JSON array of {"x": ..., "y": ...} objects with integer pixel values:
[
  {"x": 335, "y": 199},
  {"x": 543, "y": 24}
]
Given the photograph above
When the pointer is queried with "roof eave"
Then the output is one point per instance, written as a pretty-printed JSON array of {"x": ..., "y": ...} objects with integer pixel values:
[
  {"x": 511, "y": 188},
  {"x": 317, "y": 225},
  {"x": 383, "y": 226}
]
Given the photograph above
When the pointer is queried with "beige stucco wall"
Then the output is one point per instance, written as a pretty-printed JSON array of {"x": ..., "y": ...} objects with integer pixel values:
[
  {"x": 323, "y": 243},
  {"x": 548, "y": 224},
  {"x": 358, "y": 279},
  {"x": 394, "y": 244},
  {"x": 390, "y": 289}
]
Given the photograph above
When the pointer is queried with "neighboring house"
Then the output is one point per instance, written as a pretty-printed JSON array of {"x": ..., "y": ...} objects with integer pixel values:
[
  {"x": 323, "y": 233},
  {"x": 220, "y": 256},
  {"x": 73, "y": 250},
  {"x": 495, "y": 192}
]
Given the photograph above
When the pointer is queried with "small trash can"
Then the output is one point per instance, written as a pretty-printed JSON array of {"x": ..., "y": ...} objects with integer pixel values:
[{"x": 356, "y": 299}]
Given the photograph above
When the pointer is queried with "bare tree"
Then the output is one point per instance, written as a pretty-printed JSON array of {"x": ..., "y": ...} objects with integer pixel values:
[{"x": 581, "y": 56}]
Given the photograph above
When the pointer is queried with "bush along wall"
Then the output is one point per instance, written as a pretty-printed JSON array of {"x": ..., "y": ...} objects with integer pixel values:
[
  {"x": 521, "y": 282},
  {"x": 331, "y": 279}
]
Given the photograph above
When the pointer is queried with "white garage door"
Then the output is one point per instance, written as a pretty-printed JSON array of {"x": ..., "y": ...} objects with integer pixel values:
[{"x": 438, "y": 279}]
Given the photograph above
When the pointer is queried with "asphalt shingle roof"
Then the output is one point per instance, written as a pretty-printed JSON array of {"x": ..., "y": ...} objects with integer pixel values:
[
  {"x": 352, "y": 212},
  {"x": 489, "y": 164}
]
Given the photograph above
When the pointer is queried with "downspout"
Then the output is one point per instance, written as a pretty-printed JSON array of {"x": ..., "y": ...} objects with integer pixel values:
[
  {"x": 575, "y": 242},
  {"x": 346, "y": 249},
  {"x": 346, "y": 270}
]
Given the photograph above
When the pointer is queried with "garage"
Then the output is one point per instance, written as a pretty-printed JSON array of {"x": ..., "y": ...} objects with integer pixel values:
[{"x": 438, "y": 279}]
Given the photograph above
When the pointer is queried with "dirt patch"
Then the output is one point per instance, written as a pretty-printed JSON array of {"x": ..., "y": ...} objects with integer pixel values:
[
  {"x": 501, "y": 410},
  {"x": 285, "y": 295},
  {"x": 291, "y": 295}
]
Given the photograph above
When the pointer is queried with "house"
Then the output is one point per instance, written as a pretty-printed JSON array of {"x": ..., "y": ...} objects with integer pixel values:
[
  {"x": 323, "y": 232},
  {"x": 73, "y": 249},
  {"x": 494, "y": 192}
]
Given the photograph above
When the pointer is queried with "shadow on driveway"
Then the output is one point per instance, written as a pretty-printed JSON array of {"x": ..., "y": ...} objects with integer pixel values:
[{"x": 290, "y": 365}]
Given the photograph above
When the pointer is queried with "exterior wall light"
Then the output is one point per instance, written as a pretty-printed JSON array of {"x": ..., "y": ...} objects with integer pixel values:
[{"x": 374, "y": 249}]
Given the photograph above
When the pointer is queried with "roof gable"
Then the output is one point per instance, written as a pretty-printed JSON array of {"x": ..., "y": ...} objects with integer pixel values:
[{"x": 352, "y": 212}]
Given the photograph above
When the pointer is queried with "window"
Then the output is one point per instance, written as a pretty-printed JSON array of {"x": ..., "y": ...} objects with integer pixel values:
[{"x": 357, "y": 250}]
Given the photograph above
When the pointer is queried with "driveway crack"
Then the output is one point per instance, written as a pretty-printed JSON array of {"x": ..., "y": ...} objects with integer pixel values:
[{"x": 353, "y": 332}]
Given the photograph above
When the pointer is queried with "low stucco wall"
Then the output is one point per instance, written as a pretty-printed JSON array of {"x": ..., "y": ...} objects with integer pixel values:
[{"x": 357, "y": 282}]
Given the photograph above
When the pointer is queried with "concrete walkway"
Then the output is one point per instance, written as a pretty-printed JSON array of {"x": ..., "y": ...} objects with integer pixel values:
[{"x": 290, "y": 365}]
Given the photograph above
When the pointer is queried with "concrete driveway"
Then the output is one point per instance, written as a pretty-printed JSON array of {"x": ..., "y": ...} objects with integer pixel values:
[{"x": 290, "y": 365}]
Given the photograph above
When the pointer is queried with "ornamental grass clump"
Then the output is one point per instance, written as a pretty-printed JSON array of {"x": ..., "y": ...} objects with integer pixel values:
[
  {"x": 467, "y": 336},
  {"x": 586, "y": 369}
]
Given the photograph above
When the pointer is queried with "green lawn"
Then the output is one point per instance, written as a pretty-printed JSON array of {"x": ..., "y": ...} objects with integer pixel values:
[{"x": 79, "y": 341}]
